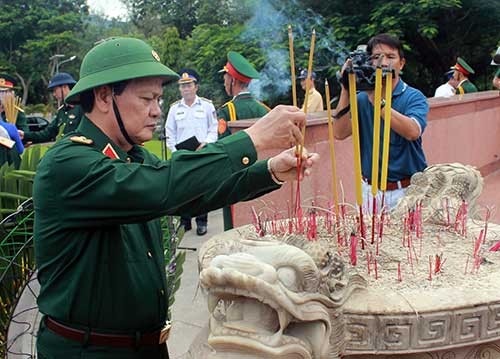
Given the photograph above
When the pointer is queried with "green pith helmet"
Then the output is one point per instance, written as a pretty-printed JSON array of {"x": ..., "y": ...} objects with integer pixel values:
[{"x": 118, "y": 59}]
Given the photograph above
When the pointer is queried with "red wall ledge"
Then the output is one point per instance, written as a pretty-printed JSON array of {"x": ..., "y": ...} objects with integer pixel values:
[{"x": 462, "y": 128}]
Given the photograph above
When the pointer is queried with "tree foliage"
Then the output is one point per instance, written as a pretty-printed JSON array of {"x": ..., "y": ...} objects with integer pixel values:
[
  {"x": 434, "y": 33},
  {"x": 31, "y": 31}
]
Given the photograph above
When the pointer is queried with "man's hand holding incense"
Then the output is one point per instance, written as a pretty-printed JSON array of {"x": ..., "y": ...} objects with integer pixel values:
[
  {"x": 278, "y": 129},
  {"x": 284, "y": 165}
]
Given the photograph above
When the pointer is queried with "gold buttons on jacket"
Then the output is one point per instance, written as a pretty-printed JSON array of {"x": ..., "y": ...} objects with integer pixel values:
[
  {"x": 245, "y": 160},
  {"x": 150, "y": 255}
]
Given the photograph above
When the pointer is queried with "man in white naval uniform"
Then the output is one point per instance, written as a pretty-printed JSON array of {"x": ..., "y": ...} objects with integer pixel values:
[{"x": 191, "y": 116}]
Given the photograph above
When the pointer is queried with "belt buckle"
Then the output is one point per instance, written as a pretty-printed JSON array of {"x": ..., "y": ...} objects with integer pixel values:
[{"x": 165, "y": 333}]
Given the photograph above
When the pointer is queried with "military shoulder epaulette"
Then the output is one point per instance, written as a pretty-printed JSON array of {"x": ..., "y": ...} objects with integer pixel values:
[
  {"x": 175, "y": 103},
  {"x": 206, "y": 99},
  {"x": 60, "y": 107},
  {"x": 81, "y": 139},
  {"x": 227, "y": 103}
]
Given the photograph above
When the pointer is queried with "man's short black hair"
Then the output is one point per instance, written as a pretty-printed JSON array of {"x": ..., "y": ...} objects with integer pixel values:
[
  {"x": 385, "y": 39},
  {"x": 87, "y": 98}
]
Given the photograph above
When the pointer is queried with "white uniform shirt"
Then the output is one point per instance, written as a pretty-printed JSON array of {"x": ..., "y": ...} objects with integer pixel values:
[
  {"x": 183, "y": 122},
  {"x": 445, "y": 90}
]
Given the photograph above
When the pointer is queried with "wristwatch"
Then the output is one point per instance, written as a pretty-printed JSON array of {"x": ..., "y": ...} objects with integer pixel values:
[{"x": 382, "y": 103}]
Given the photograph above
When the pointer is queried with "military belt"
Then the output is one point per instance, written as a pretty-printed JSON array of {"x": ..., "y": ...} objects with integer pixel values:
[
  {"x": 391, "y": 186},
  {"x": 110, "y": 340}
]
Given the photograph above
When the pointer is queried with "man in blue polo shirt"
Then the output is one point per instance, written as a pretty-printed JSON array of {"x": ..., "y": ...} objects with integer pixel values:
[{"x": 408, "y": 120}]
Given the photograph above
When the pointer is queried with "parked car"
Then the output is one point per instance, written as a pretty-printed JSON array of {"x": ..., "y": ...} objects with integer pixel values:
[{"x": 36, "y": 122}]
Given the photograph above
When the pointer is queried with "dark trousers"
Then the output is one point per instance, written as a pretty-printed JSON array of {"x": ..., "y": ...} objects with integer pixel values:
[
  {"x": 227, "y": 216},
  {"x": 202, "y": 219}
]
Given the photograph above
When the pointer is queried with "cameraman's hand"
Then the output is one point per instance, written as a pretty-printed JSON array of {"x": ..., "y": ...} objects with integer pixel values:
[
  {"x": 278, "y": 129},
  {"x": 347, "y": 64},
  {"x": 284, "y": 165}
]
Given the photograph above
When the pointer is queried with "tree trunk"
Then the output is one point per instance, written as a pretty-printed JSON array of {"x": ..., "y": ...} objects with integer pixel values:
[{"x": 26, "y": 86}]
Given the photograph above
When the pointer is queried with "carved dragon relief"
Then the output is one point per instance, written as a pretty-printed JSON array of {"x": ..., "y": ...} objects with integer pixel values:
[
  {"x": 270, "y": 299},
  {"x": 441, "y": 185}
]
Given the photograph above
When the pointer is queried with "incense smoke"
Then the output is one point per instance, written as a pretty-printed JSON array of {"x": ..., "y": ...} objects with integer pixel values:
[{"x": 268, "y": 27}]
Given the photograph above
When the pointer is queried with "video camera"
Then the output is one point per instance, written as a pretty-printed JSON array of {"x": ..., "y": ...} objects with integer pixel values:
[{"x": 363, "y": 68}]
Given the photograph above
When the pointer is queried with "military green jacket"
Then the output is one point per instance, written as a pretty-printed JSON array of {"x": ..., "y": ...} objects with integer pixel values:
[
  {"x": 245, "y": 107},
  {"x": 66, "y": 120},
  {"x": 21, "y": 121},
  {"x": 10, "y": 156},
  {"x": 97, "y": 236},
  {"x": 467, "y": 87}
]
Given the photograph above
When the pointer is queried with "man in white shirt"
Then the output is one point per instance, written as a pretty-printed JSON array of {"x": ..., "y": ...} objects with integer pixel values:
[
  {"x": 449, "y": 88},
  {"x": 191, "y": 116}
]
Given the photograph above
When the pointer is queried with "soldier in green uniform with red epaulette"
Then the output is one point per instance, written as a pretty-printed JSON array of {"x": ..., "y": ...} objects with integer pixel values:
[
  {"x": 98, "y": 196},
  {"x": 461, "y": 74},
  {"x": 68, "y": 116},
  {"x": 238, "y": 73},
  {"x": 7, "y": 84}
]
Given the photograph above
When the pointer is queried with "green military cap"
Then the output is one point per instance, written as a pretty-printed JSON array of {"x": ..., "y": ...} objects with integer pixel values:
[
  {"x": 239, "y": 67},
  {"x": 463, "y": 67},
  {"x": 7, "y": 82},
  {"x": 118, "y": 59}
]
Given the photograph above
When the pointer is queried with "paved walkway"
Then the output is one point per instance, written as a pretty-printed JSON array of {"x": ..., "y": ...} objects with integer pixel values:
[{"x": 190, "y": 312}]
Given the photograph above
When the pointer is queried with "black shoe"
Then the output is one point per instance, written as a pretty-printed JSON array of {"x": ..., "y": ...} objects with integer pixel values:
[
  {"x": 187, "y": 226},
  {"x": 201, "y": 230}
]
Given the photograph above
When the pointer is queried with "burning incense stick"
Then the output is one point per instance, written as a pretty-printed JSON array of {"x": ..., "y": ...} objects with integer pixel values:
[
  {"x": 376, "y": 129},
  {"x": 387, "y": 129},
  {"x": 292, "y": 65},
  {"x": 294, "y": 92},
  {"x": 331, "y": 140},
  {"x": 376, "y": 141},
  {"x": 308, "y": 86},
  {"x": 353, "y": 102}
]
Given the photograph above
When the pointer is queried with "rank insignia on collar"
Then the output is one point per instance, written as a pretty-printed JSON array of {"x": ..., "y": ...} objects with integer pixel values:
[
  {"x": 81, "y": 139},
  {"x": 110, "y": 152}
]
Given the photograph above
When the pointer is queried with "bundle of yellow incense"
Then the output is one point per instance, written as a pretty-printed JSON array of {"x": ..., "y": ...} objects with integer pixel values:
[{"x": 11, "y": 105}]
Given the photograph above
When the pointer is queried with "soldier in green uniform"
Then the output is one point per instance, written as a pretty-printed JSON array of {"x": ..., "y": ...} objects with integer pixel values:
[
  {"x": 7, "y": 84},
  {"x": 238, "y": 72},
  {"x": 68, "y": 116},
  {"x": 461, "y": 75},
  {"x": 98, "y": 196}
]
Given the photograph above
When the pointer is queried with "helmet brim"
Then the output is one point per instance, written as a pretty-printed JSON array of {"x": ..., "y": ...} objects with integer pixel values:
[{"x": 122, "y": 73}]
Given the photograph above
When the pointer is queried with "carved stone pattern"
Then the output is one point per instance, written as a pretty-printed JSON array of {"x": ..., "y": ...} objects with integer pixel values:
[{"x": 437, "y": 330}]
